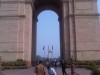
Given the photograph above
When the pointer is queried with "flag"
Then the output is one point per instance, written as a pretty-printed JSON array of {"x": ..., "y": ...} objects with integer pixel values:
[
  {"x": 43, "y": 47},
  {"x": 52, "y": 47}
]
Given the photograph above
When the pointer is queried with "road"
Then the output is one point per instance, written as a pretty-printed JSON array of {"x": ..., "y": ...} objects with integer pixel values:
[{"x": 30, "y": 71}]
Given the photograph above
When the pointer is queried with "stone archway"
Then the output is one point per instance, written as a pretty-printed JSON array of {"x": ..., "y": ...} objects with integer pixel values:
[
  {"x": 79, "y": 28},
  {"x": 56, "y": 6}
]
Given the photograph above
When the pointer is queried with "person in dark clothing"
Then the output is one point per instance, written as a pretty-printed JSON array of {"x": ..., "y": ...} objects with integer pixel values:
[
  {"x": 55, "y": 65},
  {"x": 63, "y": 65}
]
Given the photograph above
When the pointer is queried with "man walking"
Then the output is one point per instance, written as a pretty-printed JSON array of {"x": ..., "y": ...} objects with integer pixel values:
[
  {"x": 40, "y": 69},
  {"x": 63, "y": 65}
]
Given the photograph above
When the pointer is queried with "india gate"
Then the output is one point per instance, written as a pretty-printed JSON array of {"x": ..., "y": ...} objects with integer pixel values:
[{"x": 78, "y": 21}]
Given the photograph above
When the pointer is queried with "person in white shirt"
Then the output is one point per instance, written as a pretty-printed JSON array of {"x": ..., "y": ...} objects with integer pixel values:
[{"x": 51, "y": 71}]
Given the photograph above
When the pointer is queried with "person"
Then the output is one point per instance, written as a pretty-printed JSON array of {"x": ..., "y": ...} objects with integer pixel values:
[
  {"x": 51, "y": 71},
  {"x": 47, "y": 64},
  {"x": 63, "y": 65},
  {"x": 55, "y": 65},
  {"x": 40, "y": 69}
]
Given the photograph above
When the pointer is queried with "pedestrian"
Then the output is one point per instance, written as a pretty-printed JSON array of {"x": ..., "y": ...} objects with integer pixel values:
[
  {"x": 40, "y": 69},
  {"x": 47, "y": 63},
  {"x": 51, "y": 71},
  {"x": 55, "y": 65},
  {"x": 63, "y": 65}
]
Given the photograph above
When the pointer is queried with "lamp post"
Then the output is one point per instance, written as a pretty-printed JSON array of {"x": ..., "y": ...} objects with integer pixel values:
[{"x": 44, "y": 51}]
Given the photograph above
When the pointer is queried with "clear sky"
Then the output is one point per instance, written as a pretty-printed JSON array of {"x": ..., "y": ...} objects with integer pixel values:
[
  {"x": 48, "y": 33},
  {"x": 99, "y": 6}
]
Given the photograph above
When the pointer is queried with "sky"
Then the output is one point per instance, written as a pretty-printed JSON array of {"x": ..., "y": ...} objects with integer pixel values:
[
  {"x": 48, "y": 33},
  {"x": 99, "y": 6}
]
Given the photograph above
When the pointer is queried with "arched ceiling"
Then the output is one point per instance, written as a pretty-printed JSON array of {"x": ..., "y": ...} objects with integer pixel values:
[{"x": 55, "y": 5}]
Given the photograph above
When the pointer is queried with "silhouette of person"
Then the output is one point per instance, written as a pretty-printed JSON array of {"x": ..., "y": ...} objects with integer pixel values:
[
  {"x": 63, "y": 65},
  {"x": 55, "y": 65}
]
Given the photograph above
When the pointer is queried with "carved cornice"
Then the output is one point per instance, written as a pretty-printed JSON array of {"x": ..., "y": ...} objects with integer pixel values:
[
  {"x": 84, "y": 15},
  {"x": 11, "y": 51},
  {"x": 26, "y": 1},
  {"x": 22, "y": 16},
  {"x": 88, "y": 51}
]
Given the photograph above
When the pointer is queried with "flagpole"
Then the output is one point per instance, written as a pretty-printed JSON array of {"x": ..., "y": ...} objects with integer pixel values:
[
  {"x": 52, "y": 51},
  {"x": 48, "y": 53},
  {"x": 44, "y": 54}
]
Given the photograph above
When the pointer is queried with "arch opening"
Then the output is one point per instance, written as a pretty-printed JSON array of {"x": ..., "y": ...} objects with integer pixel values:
[
  {"x": 48, "y": 36},
  {"x": 40, "y": 6}
]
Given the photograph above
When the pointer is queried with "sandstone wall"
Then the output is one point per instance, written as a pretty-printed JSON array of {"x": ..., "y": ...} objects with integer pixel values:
[
  {"x": 15, "y": 29},
  {"x": 87, "y": 30}
]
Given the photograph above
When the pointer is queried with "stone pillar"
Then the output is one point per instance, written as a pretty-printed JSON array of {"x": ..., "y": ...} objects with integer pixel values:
[
  {"x": 61, "y": 36},
  {"x": 28, "y": 33},
  {"x": 72, "y": 30},
  {"x": 34, "y": 27},
  {"x": 66, "y": 33}
]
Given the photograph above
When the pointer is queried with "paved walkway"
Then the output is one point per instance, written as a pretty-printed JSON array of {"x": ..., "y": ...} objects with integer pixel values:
[{"x": 30, "y": 71}]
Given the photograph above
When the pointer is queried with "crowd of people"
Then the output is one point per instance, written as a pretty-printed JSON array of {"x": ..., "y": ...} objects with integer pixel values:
[{"x": 41, "y": 70}]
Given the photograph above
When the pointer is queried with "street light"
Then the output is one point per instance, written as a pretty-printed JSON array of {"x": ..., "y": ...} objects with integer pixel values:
[{"x": 44, "y": 51}]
